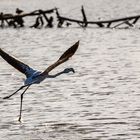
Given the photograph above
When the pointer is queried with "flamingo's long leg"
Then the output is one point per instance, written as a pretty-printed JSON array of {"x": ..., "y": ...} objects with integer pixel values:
[
  {"x": 21, "y": 103},
  {"x": 14, "y": 92}
]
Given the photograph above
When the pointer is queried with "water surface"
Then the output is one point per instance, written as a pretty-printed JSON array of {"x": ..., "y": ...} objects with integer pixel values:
[{"x": 99, "y": 101}]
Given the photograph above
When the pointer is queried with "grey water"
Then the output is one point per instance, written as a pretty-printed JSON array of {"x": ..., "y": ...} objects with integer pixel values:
[{"x": 98, "y": 102}]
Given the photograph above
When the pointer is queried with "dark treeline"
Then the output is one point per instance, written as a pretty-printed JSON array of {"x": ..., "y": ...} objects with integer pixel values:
[{"x": 44, "y": 18}]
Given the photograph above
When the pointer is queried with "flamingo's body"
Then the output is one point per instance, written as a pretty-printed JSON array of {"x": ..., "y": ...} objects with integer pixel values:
[{"x": 34, "y": 76}]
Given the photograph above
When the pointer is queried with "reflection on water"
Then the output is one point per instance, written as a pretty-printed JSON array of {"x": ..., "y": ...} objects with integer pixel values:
[{"x": 99, "y": 101}]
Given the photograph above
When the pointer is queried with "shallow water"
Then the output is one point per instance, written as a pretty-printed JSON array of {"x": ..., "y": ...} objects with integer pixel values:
[{"x": 99, "y": 101}]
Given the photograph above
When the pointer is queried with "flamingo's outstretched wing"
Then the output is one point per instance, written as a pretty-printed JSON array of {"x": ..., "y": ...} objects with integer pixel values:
[
  {"x": 23, "y": 68},
  {"x": 64, "y": 57}
]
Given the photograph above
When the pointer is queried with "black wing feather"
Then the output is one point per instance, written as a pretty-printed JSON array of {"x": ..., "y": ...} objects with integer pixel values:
[
  {"x": 23, "y": 68},
  {"x": 63, "y": 58}
]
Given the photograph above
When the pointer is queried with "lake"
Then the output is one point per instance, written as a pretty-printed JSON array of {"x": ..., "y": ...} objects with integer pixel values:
[{"x": 100, "y": 101}]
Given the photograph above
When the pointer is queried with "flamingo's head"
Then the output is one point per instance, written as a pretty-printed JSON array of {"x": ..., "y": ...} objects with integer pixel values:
[{"x": 67, "y": 70}]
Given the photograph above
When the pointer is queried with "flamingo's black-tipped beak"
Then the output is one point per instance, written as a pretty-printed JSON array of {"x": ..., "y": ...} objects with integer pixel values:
[{"x": 72, "y": 70}]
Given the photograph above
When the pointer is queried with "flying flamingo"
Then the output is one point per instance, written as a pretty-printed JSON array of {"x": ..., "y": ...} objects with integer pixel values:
[{"x": 34, "y": 76}]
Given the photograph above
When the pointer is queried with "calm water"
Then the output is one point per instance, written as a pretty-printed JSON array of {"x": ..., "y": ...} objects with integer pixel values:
[{"x": 100, "y": 101}]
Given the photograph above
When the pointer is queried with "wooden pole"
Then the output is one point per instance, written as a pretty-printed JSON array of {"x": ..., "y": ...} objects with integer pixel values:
[
  {"x": 84, "y": 17},
  {"x": 34, "y": 13},
  {"x": 84, "y": 23},
  {"x": 100, "y": 23},
  {"x": 114, "y": 20},
  {"x": 135, "y": 20},
  {"x": 124, "y": 22}
]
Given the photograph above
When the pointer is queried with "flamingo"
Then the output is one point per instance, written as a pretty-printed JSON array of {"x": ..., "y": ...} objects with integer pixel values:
[{"x": 34, "y": 76}]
